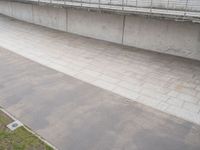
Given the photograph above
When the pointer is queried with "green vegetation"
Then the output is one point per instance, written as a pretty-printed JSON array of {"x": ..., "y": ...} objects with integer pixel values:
[{"x": 20, "y": 139}]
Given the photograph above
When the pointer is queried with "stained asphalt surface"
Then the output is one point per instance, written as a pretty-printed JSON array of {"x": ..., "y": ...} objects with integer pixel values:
[{"x": 74, "y": 115}]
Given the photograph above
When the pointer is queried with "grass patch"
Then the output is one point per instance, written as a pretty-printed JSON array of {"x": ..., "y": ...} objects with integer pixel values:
[{"x": 19, "y": 139}]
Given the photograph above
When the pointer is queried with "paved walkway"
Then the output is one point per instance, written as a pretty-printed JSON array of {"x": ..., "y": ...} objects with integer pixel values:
[
  {"x": 167, "y": 83},
  {"x": 74, "y": 115}
]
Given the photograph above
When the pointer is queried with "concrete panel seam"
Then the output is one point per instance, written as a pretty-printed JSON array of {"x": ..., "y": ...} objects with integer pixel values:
[
  {"x": 32, "y": 14},
  {"x": 11, "y": 7},
  {"x": 66, "y": 20},
  {"x": 123, "y": 28}
]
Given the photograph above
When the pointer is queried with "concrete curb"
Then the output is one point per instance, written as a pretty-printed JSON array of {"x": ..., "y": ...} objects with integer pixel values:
[{"x": 29, "y": 130}]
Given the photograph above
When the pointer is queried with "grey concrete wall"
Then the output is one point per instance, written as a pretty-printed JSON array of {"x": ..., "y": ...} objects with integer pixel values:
[
  {"x": 176, "y": 38},
  {"x": 22, "y": 11},
  {"x": 51, "y": 17},
  {"x": 102, "y": 26},
  {"x": 5, "y": 8}
]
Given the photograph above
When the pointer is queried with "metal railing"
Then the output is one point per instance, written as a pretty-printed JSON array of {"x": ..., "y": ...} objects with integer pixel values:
[{"x": 172, "y": 7}]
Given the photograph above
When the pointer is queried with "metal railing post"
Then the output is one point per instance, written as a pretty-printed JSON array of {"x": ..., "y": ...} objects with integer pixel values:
[
  {"x": 167, "y": 5},
  {"x": 136, "y": 4},
  {"x": 99, "y": 3},
  {"x": 151, "y": 6},
  {"x": 186, "y": 7},
  {"x": 122, "y": 4}
]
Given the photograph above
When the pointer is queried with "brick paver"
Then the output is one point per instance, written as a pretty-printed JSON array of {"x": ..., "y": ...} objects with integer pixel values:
[
  {"x": 167, "y": 83},
  {"x": 74, "y": 115}
]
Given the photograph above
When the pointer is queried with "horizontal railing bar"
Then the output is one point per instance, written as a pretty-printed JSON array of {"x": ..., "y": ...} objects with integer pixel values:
[{"x": 183, "y": 7}]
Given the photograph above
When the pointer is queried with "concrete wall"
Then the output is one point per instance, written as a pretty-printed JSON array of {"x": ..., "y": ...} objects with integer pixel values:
[
  {"x": 51, "y": 17},
  {"x": 22, "y": 11},
  {"x": 177, "y": 38},
  {"x": 5, "y": 8},
  {"x": 107, "y": 27}
]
